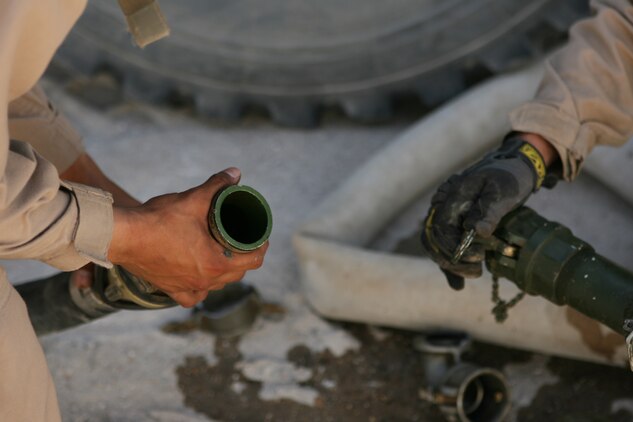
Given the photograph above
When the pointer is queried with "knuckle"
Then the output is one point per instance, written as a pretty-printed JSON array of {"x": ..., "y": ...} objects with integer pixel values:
[
  {"x": 199, "y": 284},
  {"x": 216, "y": 286},
  {"x": 214, "y": 266},
  {"x": 187, "y": 302},
  {"x": 257, "y": 261},
  {"x": 219, "y": 270},
  {"x": 232, "y": 277},
  {"x": 221, "y": 179}
]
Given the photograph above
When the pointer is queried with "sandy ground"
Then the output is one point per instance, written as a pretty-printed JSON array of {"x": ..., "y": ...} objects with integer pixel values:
[{"x": 293, "y": 366}]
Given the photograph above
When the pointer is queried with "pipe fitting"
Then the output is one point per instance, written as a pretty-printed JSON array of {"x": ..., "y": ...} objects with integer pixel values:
[
  {"x": 229, "y": 312},
  {"x": 240, "y": 219},
  {"x": 464, "y": 392}
]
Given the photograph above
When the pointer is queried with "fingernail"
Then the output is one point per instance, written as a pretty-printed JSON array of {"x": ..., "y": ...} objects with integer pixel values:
[{"x": 233, "y": 172}]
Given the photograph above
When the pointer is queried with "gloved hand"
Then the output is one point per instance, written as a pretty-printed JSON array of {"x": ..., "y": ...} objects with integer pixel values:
[{"x": 478, "y": 199}]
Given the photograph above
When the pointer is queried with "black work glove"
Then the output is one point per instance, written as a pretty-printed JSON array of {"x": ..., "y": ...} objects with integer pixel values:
[{"x": 478, "y": 199}]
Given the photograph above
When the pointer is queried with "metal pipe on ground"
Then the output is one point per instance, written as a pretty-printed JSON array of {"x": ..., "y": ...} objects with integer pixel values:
[{"x": 464, "y": 392}]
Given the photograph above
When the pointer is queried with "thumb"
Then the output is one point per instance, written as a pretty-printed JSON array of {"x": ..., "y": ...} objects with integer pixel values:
[
  {"x": 486, "y": 226},
  {"x": 227, "y": 177},
  {"x": 187, "y": 299},
  {"x": 234, "y": 173},
  {"x": 231, "y": 176}
]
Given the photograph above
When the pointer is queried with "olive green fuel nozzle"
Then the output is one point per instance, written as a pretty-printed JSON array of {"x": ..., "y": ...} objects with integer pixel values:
[{"x": 544, "y": 258}]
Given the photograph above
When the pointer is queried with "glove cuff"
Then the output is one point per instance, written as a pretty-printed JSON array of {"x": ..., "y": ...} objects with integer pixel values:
[
  {"x": 536, "y": 159},
  {"x": 517, "y": 147}
]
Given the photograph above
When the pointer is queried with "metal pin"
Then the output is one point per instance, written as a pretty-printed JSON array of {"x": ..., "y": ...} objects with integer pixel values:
[{"x": 467, "y": 240}]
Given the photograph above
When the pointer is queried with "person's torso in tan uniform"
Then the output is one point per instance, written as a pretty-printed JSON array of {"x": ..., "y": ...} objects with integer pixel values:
[{"x": 38, "y": 218}]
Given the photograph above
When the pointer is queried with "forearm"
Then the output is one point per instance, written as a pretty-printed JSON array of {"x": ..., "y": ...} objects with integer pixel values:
[
  {"x": 85, "y": 171},
  {"x": 586, "y": 95},
  {"x": 547, "y": 150}
]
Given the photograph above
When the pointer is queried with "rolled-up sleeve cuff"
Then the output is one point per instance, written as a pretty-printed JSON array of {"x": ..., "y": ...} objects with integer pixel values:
[
  {"x": 564, "y": 132},
  {"x": 93, "y": 232}
]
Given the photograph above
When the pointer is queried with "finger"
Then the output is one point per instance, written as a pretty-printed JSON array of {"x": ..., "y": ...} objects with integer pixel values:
[
  {"x": 487, "y": 225},
  {"x": 185, "y": 299},
  {"x": 445, "y": 190},
  {"x": 475, "y": 253},
  {"x": 455, "y": 281},
  {"x": 448, "y": 227},
  {"x": 447, "y": 238},
  {"x": 227, "y": 177},
  {"x": 244, "y": 261},
  {"x": 227, "y": 278},
  {"x": 200, "y": 295},
  {"x": 466, "y": 270},
  {"x": 220, "y": 283},
  {"x": 428, "y": 244},
  {"x": 256, "y": 258},
  {"x": 463, "y": 269},
  {"x": 82, "y": 278},
  {"x": 217, "y": 282},
  {"x": 439, "y": 243},
  {"x": 488, "y": 210},
  {"x": 214, "y": 184}
]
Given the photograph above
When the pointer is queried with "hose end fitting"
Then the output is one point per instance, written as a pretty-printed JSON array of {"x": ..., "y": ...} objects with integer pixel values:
[{"x": 464, "y": 392}]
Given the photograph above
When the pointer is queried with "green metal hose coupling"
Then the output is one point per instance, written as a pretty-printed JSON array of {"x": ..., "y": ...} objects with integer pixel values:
[
  {"x": 544, "y": 258},
  {"x": 240, "y": 219}
]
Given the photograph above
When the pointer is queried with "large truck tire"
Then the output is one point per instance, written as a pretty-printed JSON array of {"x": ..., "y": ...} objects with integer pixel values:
[{"x": 294, "y": 57}]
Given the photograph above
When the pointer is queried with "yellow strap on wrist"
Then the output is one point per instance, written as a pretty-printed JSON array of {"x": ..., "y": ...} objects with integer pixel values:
[{"x": 537, "y": 160}]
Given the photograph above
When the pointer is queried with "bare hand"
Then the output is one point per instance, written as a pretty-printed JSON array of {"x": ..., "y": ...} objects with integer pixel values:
[{"x": 166, "y": 241}]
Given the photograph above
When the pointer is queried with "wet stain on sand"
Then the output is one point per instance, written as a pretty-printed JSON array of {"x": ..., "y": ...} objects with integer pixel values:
[
  {"x": 585, "y": 393},
  {"x": 378, "y": 383}
]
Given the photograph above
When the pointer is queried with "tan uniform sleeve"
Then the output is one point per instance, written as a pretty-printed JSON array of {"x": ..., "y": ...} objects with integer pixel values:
[
  {"x": 33, "y": 119},
  {"x": 586, "y": 95},
  {"x": 63, "y": 225}
]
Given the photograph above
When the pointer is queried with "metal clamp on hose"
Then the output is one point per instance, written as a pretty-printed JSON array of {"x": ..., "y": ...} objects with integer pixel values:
[
  {"x": 120, "y": 289},
  {"x": 229, "y": 312},
  {"x": 464, "y": 392}
]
